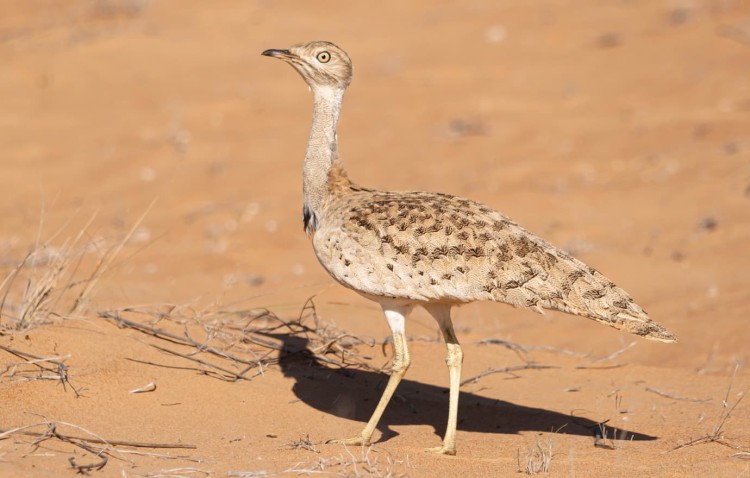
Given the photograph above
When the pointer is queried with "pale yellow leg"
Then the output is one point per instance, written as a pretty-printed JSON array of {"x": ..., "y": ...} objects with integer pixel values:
[
  {"x": 396, "y": 317},
  {"x": 453, "y": 360}
]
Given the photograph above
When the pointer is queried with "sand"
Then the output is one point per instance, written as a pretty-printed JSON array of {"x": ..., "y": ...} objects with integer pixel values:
[{"x": 617, "y": 130}]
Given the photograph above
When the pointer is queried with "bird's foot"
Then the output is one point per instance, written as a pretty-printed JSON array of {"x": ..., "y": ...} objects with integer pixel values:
[
  {"x": 442, "y": 450},
  {"x": 358, "y": 440}
]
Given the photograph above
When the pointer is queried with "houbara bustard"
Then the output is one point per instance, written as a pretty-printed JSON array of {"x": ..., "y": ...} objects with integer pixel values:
[{"x": 407, "y": 249}]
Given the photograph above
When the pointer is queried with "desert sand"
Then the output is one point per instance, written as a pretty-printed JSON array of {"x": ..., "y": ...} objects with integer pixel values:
[{"x": 151, "y": 166}]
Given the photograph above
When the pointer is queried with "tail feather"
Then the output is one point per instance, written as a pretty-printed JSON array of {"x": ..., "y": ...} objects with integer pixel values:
[
  {"x": 582, "y": 290},
  {"x": 540, "y": 276}
]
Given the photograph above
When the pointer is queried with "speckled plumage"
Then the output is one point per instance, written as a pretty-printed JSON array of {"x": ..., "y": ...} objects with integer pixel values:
[
  {"x": 436, "y": 247},
  {"x": 435, "y": 250}
]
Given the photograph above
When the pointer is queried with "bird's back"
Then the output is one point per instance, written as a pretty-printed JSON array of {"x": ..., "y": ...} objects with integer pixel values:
[{"x": 431, "y": 247}]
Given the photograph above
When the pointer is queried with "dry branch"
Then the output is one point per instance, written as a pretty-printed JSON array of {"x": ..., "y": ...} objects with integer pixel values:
[
  {"x": 227, "y": 374},
  {"x": 90, "y": 444},
  {"x": 43, "y": 284},
  {"x": 80, "y": 443},
  {"x": 176, "y": 339},
  {"x": 252, "y": 337},
  {"x": 105, "y": 262},
  {"x": 717, "y": 433},
  {"x": 58, "y": 371},
  {"x": 677, "y": 397},
  {"x": 135, "y": 444},
  {"x": 510, "y": 370},
  {"x": 612, "y": 356},
  {"x": 302, "y": 443},
  {"x": 530, "y": 348},
  {"x": 367, "y": 464},
  {"x": 538, "y": 458}
]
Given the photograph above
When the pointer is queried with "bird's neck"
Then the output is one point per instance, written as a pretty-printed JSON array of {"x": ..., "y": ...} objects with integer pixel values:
[{"x": 322, "y": 167}]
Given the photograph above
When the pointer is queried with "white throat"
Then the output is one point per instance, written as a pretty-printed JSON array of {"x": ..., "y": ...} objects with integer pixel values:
[{"x": 321, "y": 150}]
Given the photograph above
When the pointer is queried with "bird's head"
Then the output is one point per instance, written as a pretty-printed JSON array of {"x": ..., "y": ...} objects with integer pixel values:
[{"x": 321, "y": 63}]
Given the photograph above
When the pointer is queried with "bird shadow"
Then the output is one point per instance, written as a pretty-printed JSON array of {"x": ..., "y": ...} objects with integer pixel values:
[{"x": 353, "y": 394}]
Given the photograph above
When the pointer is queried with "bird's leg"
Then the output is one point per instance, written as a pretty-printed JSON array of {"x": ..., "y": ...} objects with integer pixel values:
[
  {"x": 396, "y": 316},
  {"x": 454, "y": 359}
]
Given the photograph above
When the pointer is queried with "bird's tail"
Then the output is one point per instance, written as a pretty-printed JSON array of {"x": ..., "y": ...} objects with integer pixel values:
[{"x": 582, "y": 290}]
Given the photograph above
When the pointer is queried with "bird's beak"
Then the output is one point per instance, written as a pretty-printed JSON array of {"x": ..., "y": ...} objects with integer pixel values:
[{"x": 280, "y": 54}]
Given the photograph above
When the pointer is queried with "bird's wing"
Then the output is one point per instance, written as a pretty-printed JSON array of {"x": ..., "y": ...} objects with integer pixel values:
[{"x": 435, "y": 247}]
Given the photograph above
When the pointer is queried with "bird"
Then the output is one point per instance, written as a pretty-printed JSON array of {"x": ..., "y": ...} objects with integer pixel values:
[{"x": 407, "y": 249}]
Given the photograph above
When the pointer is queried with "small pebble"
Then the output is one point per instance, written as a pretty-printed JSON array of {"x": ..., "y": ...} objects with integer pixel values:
[
  {"x": 678, "y": 16},
  {"x": 731, "y": 148},
  {"x": 610, "y": 40},
  {"x": 709, "y": 223}
]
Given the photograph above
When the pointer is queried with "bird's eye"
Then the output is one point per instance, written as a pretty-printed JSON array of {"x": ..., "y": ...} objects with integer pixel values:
[{"x": 323, "y": 57}]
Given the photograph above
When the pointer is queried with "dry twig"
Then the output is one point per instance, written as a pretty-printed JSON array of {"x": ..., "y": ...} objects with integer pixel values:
[
  {"x": 105, "y": 262},
  {"x": 538, "y": 458},
  {"x": 251, "y": 335},
  {"x": 101, "y": 441},
  {"x": 89, "y": 444},
  {"x": 302, "y": 443},
  {"x": 58, "y": 371},
  {"x": 45, "y": 278},
  {"x": 717, "y": 433},
  {"x": 509, "y": 370},
  {"x": 612, "y": 356},
  {"x": 677, "y": 397}
]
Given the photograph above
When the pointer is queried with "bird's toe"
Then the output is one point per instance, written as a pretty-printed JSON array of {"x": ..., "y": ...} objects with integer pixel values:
[
  {"x": 358, "y": 440},
  {"x": 442, "y": 450}
]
